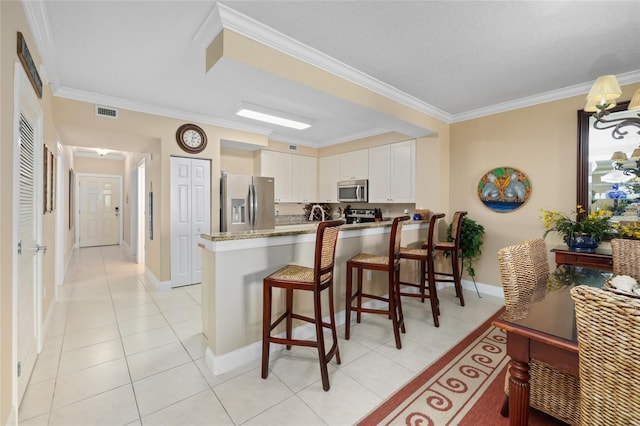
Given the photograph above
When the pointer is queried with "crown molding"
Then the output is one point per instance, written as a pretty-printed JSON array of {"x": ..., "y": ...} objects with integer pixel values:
[
  {"x": 38, "y": 22},
  {"x": 127, "y": 104},
  {"x": 248, "y": 27},
  {"x": 209, "y": 29},
  {"x": 541, "y": 98}
]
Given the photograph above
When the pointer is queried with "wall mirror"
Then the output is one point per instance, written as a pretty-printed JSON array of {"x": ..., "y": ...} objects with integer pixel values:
[{"x": 599, "y": 184}]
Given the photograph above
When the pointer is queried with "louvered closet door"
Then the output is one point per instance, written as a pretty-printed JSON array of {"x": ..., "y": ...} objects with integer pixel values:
[{"x": 28, "y": 207}]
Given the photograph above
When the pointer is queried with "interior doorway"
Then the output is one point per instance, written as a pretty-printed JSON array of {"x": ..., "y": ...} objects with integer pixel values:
[{"x": 141, "y": 216}]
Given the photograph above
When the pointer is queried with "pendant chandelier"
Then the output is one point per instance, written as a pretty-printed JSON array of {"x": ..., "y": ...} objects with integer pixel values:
[{"x": 602, "y": 97}]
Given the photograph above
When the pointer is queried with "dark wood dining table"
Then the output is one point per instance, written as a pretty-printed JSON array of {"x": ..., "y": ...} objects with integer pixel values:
[{"x": 547, "y": 333}]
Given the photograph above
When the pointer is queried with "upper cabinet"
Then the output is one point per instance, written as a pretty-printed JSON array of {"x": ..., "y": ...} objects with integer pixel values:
[
  {"x": 304, "y": 179},
  {"x": 329, "y": 175},
  {"x": 296, "y": 176},
  {"x": 354, "y": 165},
  {"x": 392, "y": 173}
]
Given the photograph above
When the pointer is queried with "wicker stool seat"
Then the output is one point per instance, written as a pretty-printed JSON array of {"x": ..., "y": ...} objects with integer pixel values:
[
  {"x": 524, "y": 271},
  {"x": 389, "y": 264},
  {"x": 316, "y": 279},
  {"x": 452, "y": 249},
  {"x": 426, "y": 277}
]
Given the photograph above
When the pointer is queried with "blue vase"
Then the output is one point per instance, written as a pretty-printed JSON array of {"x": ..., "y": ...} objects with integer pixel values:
[{"x": 582, "y": 242}]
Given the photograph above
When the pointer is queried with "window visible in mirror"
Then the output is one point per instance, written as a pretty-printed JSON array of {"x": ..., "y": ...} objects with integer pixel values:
[{"x": 600, "y": 186}]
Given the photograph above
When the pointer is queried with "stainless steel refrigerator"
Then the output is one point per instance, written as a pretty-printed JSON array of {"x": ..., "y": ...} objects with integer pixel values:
[{"x": 246, "y": 203}]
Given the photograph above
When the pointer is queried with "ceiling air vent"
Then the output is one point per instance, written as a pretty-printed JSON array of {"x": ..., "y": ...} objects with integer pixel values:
[
  {"x": 293, "y": 147},
  {"x": 103, "y": 111}
]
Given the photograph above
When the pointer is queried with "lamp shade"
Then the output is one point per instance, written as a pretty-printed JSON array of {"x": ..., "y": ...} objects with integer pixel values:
[
  {"x": 636, "y": 154},
  {"x": 592, "y": 105},
  {"x": 635, "y": 101},
  {"x": 605, "y": 89},
  {"x": 619, "y": 156}
]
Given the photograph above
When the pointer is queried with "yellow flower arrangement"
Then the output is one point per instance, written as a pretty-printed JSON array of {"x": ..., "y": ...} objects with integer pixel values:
[
  {"x": 596, "y": 224},
  {"x": 628, "y": 229}
]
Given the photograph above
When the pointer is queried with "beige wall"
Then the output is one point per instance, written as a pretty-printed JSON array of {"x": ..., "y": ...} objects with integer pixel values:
[
  {"x": 236, "y": 161},
  {"x": 12, "y": 20},
  {"x": 101, "y": 166},
  {"x": 541, "y": 141}
]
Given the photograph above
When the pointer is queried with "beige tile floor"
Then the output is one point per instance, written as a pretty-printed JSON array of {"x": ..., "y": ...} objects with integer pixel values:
[{"x": 120, "y": 352}]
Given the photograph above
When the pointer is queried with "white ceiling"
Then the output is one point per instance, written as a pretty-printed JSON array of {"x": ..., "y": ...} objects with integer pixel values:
[{"x": 450, "y": 59}]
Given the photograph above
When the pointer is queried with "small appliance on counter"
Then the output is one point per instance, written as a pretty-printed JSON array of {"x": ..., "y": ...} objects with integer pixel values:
[
  {"x": 246, "y": 203},
  {"x": 359, "y": 215}
]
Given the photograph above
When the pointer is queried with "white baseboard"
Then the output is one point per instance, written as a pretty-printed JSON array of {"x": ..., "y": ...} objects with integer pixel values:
[
  {"x": 488, "y": 289},
  {"x": 159, "y": 285},
  {"x": 12, "y": 420},
  {"x": 126, "y": 248},
  {"x": 47, "y": 321}
]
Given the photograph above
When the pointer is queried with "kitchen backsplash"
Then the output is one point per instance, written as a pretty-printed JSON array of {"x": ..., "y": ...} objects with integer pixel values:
[{"x": 294, "y": 212}]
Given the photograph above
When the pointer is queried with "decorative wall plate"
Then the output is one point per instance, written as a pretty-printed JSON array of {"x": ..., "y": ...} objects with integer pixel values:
[{"x": 504, "y": 189}]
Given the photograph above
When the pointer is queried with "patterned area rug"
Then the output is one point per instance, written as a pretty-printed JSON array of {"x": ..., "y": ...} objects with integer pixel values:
[{"x": 444, "y": 393}]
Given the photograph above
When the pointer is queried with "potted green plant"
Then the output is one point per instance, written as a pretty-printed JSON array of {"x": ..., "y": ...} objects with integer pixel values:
[
  {"x": 471, "y": 234},
  {"x": 581, "y": 234}
]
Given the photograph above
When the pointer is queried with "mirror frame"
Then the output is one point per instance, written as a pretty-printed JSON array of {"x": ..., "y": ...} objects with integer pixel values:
[{"x": 582, "y": 177}]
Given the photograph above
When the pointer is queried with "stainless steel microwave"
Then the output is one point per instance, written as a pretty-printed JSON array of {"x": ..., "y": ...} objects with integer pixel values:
[{"x": 353, "y": 191}]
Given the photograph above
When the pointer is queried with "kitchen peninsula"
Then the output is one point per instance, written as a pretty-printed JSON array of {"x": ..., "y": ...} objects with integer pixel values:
[{"x": 234, "y": 265}]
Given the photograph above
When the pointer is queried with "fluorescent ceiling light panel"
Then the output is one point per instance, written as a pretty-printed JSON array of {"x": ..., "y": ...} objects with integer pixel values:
[{"x": 267, "y": 115}]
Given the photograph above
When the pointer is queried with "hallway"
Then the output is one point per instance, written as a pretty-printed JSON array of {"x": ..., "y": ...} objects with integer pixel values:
[{"x": 120, "y": 352}]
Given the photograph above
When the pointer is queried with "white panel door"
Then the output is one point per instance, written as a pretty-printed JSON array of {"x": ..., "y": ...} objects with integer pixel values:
[
  {"x": 99, "y": 212},
  {"x": 190, "y": 217},
  {"x": 200, "y": 212}
]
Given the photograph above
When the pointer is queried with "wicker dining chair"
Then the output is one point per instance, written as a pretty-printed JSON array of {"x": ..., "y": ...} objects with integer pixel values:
[
  {"x": 625, "y": 255},
  {"x": 315, "y": 280},
  {"x": 524, "y": 270},
  {"x": 609, "y": 350}
]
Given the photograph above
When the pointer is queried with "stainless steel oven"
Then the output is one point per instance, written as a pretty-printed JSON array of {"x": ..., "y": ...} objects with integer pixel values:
[{"x": 353, "y": 191}]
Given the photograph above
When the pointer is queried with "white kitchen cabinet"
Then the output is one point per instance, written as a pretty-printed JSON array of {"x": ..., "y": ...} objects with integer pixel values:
[
  {"x": 328, "y": 176},
  {"x": 277, "y": 165},
  {"x": 296, "y": 176},
  {"x": 392, "y": 173},
  {"x": 354, "y": 165},
  {"x": 304, "y": 179}
]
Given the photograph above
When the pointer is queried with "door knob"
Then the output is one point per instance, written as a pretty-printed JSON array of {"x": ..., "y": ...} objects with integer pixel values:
[{"x": 43, "y": 249}]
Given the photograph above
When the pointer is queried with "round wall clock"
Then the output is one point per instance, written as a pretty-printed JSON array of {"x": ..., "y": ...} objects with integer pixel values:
[
  {"x": 504, "y": 189},
  {"x": 191, "y": 138}
]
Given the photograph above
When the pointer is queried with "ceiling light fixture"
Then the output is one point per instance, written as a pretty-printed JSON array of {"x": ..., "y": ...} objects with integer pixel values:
[
  {"x": 619, "y": 158},
  {"x": 602, "y": 97},
  {"x": 268, "y": 115}
]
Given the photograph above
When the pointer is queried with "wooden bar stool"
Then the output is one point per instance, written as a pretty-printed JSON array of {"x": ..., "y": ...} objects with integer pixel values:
[
  {"x": 453, "y": 249},
  {"x": 424, "y": 256},
  {"x": 390, "y": 264},
  {"x": 316, "y": 279}
]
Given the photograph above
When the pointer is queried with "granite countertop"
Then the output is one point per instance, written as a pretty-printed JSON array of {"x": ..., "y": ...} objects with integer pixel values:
[{"x": 310, "y": 228}]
